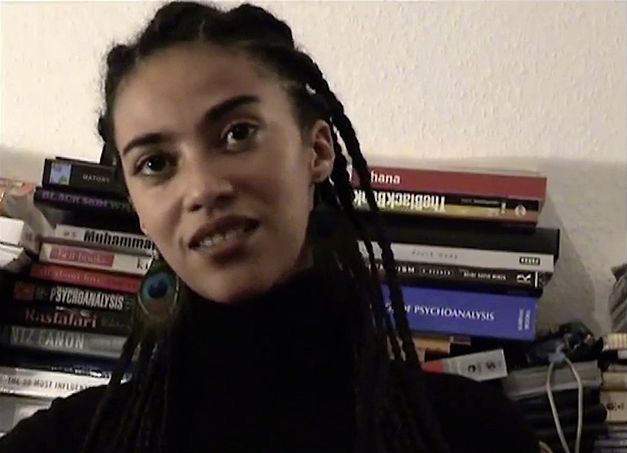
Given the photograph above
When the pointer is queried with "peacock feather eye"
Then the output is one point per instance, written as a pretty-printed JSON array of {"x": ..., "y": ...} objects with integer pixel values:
[
  {"x": 158, "y": 286},
  {"x": 158, "y": 293}
]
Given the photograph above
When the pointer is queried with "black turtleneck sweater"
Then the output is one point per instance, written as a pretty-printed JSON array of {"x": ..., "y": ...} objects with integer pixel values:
[{"x": 274, "y": 374}]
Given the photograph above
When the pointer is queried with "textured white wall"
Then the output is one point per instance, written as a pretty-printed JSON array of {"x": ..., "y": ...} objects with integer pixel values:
[{"x": 520, "y": 83}]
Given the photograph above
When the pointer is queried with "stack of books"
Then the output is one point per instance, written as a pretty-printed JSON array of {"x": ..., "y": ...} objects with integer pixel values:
[
  {"x": 471, "y": 259},
  {"x": 528, "y": 388},
  {"x": 613, "y": 363},
  {"x": 66, "y": 315}
]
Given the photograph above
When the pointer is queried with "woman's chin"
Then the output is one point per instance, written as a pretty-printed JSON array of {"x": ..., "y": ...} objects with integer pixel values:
[
  {"x": 231, "y": 292},
  {"x": 236, "y": 282}
]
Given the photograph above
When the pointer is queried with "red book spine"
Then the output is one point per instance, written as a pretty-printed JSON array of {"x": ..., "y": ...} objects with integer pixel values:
[
  {"x": 457, "y": 182},
  {"x": 435, "y": 366},
  {"x": 94, "y": 259},
  {"x": 82, "y": 277},
  {"x": 77, "y": 255}
]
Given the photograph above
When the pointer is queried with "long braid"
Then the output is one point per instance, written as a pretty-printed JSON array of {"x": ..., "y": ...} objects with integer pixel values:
[
  {"x": 344, "y": 189},
  {"x": 349, "y": 250},
  {"x": 345, "y": 194},
  {"x": 340, "y": 250},
  {"x": 121, "y": 366},
  {"x": 299, "y": 64},
  {"x": 128, "y": 421},
  {"x": 344, "y": 125},
  {"x": 391, "y": 399}
]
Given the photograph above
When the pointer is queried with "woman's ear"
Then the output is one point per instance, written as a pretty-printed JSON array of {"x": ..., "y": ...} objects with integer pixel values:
[{"x": 323, "y": 154}]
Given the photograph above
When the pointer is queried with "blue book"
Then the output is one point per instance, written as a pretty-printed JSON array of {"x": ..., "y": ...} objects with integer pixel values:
[{"x": 470, "y": 313}]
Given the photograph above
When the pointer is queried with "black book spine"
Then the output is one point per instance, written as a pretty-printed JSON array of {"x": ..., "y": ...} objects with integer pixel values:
[
  {"x": 537, "y": 240},
  {"x": 63, "y": 318},
  {"x": 81, "y": 176},
  {"x": 65, "y": 199},
  {"x": 462, "y": 199},
  {"x": 473, "y": 278},
  {"x": 72, "y": 296}
]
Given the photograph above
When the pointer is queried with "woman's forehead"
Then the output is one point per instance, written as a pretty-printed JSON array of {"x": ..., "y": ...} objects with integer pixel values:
[
  {"x": 196, "y": 68},
  {"x": 174, "y": 88}
]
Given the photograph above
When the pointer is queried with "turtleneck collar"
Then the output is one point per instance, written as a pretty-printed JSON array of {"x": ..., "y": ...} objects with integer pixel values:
[
  {"x": 277, "y": 366},
  {"x": 309, "y": 281}
]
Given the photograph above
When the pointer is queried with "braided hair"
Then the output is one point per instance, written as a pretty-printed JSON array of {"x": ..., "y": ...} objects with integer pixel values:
[{"x": 392, "y": 410}]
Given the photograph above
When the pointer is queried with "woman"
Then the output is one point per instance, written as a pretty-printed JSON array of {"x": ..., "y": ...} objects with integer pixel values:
[{"x": 264, "y": 331}]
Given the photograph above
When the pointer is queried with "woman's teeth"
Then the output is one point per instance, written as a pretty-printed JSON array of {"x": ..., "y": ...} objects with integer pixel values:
[{"x": 219, "y": 238}]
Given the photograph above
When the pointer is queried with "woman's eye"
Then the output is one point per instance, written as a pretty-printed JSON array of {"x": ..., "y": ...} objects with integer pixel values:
[
  {"x": 238, "y": 135},
  {"x": 154, "y": 165}
]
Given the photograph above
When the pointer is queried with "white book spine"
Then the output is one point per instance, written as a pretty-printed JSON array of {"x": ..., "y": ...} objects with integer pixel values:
[
  {"x": 16, "y": 232},
  {"x": 480, "y": 366},
  {"x": 94, "y": 259},
  {"x": 616, "y": 405},
  {"x": 114, "y": 240},
  {"x": 613, "y": 380},
  {"x": 68, "y": 341},
  {"x": 44, "y": 384},
  {"x": 494, "y": 259}
]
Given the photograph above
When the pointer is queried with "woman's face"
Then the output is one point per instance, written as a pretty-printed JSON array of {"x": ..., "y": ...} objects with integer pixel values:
[{"x": 218, "y": 169}]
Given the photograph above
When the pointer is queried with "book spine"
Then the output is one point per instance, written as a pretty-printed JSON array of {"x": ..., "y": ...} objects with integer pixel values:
[
  {"x": 466, "y": 313},
  {"x": 94, "y": 259},
  {"x": 434, "y": 205},
  {"x": 481, "y": 366},
  {"x": 62, "y": 341},
  {"x": 71, "y": 296},
  {"x": 418, "y": 200},
  {"x": 456, "y": 256},
  {"x": 612, "y": 444},
  {"x": 44, "y": 384},
  {"x": 614, "y": 381},
  {"x": 536, "y": 240},
  {"x": 81, "y": 176},
  {"x": 461, "y": 182},
  {"x": 439, "y": 345},
  {"x": 16, "y": 232},
  {"x": 114, "y": 240},
  {"x": 615, "y": 342},
  {"x": 82, "y": 277},
  {"x": 76, "y": 201},
  {"x": 462, "y": 275},
  {"x": 68, "y": 319},
  {"x": 616, "y": 405}
]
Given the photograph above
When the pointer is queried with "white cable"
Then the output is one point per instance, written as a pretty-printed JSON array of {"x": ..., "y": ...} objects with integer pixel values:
[
  {"x": 558, "y": 425},
  {"x": 544, "y": 448}
]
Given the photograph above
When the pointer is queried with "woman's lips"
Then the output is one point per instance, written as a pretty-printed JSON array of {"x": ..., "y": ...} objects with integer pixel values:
[{"x": 227, "y": 241}]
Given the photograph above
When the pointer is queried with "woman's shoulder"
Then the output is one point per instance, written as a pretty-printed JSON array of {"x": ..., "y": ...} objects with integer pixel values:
[
  {"x": 477, "y": 417},
  {"x": 60, "y": 428}
]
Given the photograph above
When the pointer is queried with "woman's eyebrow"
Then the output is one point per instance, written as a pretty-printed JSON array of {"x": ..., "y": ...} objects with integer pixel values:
[
  {"x": 218, "y": 111},
  {"x": 212, "y": 115},
  {"x": 151, "y": 138}
]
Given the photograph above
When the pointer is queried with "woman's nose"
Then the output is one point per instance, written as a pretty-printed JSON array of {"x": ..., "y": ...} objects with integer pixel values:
[{"x": 204, "y": 184}]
